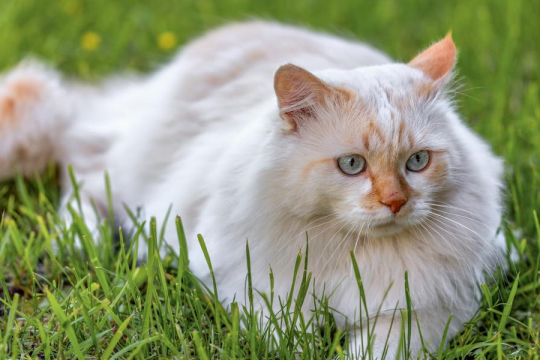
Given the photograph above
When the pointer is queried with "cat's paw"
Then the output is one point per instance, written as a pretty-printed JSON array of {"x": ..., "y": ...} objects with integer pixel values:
[{"x": 32, "y": 107}]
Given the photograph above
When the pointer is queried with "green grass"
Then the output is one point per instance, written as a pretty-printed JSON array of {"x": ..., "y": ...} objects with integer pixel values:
[{"x": 101, "y": 303}]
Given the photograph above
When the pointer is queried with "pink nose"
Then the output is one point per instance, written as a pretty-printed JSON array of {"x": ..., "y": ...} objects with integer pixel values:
[{"x": 394, "y": 202}]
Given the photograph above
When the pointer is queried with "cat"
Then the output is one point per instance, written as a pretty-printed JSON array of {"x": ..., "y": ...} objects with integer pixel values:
[{"x": 346, "y": 146}]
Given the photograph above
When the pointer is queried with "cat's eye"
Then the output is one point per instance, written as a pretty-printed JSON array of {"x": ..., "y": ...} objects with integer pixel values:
[
  {"x": 418, "y": 161},
  {"x": 352, "y": 164}
]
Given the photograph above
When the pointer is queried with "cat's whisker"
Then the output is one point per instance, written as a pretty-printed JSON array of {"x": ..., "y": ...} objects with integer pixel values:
[
  {"x": 419, "y": 232},
  {"x": 453, "y": 248},
  {"x": 492, "y": 277},
  {"x": 498, "y": 256},
  {"x": 305, "y": 231},
  {"x": 462, "y": 89},
  {"x": 452, "y": 206},
  {"x": 446, "y": 205},
  {"x": 481, "y": 223},
  {"x": 439, "y": 206},
  {"x": 367, "y": 238},
  {"x": 330, "y": 242},
  {"x": 467, "y": 270},
  {"x": 310, "y": 239},
  {"x": 337, "y": 219},
  {"x": 438, "y": 213},
  {"x": 358, "y": 237},
  {"x": 463, "y": 230},
  {"x": 433, "y": 222},
  {"x": 344, "y": 243},
  {"x": 463, "y": 94},
  {"x": 481, "y": 238},
  {"x": 458, "y": 253}
]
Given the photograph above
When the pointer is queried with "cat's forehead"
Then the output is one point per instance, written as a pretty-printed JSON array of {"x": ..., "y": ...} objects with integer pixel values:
[
  {"x": 373, "y": 81},
  {"x": 386, "y": 110}
]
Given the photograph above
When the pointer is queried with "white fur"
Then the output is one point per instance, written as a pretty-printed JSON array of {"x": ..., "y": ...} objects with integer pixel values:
[{"x": 204, "y": 134}]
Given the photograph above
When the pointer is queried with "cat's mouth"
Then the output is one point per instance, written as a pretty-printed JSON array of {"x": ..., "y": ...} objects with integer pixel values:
[
  {"x": 381, "y": 223},
  {"x": 389, "y": 220}
]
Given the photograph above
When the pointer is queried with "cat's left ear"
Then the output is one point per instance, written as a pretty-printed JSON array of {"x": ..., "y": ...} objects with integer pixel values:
[{"x": 438, "y": 60}]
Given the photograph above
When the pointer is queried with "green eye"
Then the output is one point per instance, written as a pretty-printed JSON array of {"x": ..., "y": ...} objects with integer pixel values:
[
  {"x": 418, "y": 161},
  {"x": 352, "y": 164}
]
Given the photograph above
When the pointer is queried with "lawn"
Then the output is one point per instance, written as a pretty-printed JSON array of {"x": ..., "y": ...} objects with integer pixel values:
[{"x": 102, "y": 303}]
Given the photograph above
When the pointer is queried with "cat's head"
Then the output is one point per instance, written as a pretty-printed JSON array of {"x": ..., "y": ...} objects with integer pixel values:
[{"x": 374, "y": 145}]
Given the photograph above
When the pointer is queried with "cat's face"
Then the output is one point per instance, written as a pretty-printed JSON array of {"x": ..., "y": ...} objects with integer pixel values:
[{"x": 372, "y": 146}]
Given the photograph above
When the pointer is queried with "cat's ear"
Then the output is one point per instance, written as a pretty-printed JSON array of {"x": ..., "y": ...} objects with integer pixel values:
[
  {"x": 438, "y": 60},
  {"x": 298, "y": 92}
]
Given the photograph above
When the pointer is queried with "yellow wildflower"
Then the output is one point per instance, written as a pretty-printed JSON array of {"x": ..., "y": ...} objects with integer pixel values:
[
  {"x": 166, "y": 40},
  {"x": 90, "y": 41}
]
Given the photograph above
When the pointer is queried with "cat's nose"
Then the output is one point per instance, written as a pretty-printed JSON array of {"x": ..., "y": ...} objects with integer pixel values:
[{"x": 395, "y": 201}]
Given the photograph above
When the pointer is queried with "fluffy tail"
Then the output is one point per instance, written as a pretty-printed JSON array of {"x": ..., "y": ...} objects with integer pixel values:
[{"x": 35, "y": 110}]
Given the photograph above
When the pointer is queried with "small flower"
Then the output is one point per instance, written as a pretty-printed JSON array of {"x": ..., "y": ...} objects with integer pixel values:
[
  {"x": 166, "y": 40},
  {"x": 90, "y": 41}
]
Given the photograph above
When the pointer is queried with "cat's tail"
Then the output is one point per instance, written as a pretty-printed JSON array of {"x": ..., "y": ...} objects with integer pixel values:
[{"x": 36, "y": 109}]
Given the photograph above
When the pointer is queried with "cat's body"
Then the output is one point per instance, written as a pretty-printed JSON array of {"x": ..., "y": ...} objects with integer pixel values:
[{"x": 204, "y": 135}]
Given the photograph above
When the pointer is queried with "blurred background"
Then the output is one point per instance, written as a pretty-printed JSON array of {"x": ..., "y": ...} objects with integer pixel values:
[{"x": 498, "y": 40}]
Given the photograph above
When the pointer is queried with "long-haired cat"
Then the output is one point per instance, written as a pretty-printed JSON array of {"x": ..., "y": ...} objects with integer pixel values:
[{"x": 267, "y": 132}]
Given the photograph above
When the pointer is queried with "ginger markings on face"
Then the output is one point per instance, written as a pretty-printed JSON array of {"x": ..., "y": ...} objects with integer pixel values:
[
  {"x": 385, "y": 150},
  {"x": 389, "y": 187},
  {"x": 386, "y": 142},
  {"x": 391, "y": 190}
]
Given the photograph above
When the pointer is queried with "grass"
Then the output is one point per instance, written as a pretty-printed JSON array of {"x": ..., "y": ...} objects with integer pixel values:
[{"x": 101, "y": 303}]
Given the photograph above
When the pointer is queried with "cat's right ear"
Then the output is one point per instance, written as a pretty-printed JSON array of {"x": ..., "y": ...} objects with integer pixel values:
[{"x": 298, "y": 92}]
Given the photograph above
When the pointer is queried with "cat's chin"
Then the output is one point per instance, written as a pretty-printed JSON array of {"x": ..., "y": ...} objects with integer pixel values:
[
  {"x": 386, "y": 229},
  {"x": 392, "y": 227}
]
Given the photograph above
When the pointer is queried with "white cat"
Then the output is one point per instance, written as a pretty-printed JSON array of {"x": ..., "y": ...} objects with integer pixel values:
[{"x": 363, "y": 154}]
